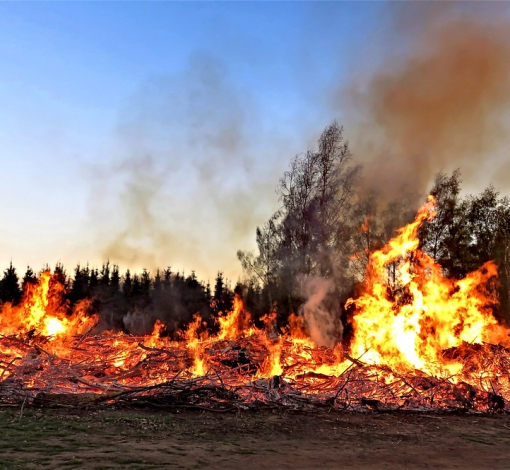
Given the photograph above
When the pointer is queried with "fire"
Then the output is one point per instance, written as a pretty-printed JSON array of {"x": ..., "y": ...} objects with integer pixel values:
[
  {"x": 419, "y": 338},
  {"x": 44, "y": 311},
  {"x": 53, "y": 327},
  {"x": 410, "y": 312},
  {"x": 195, "y": 347},
  {"x": 236, "y": 323},
  {"x": 271, "y": 365}
]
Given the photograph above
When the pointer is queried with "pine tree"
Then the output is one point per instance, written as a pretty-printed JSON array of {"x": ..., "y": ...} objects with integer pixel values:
[
  {"x": 223, "y": 296},
  {"x": 28, "y": 278},
  {"x": 136, "y": 288},
  {"x": 9, "y": 286},
  {"x": 104, "y": 276},
  {"x": 167, "y": 278},
  {"x": 79, "y": 286},
  {"x": 208, "y": 293},
  {"x": 115, "y": 280},
  {"x": 218, "y": 287},
  {"x": 145, "y": 284},
  {"x": 127, "y": 285},
  {"x": 158, "y": 284},
  {"x": 60, "y": 275},
  {"x": 94, "y": 282}
]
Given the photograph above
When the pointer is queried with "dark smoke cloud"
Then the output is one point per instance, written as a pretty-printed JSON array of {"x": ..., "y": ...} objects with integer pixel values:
[{"x": 439, "y": 99}]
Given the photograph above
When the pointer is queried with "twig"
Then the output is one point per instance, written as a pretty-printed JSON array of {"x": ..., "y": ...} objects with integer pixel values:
[{"x": 22, "y": 407}]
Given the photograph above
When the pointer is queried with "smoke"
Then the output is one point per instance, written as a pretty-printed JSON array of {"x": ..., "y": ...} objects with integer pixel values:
[
  {"x": 138, "y": 323},
  {"x": 191, "y": 169},
  {"x": 435, "y": 99},
  {"x": 440, "y": 102},
  {"x": 185, "y": 184},
  {"x": 320, "y": 311},
  {"x": 169, "y": 307},
  {"x": 135, "y": 242}
]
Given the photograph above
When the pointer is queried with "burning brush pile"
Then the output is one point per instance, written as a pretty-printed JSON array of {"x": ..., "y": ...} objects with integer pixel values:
[{"x": 420, "y": 342}]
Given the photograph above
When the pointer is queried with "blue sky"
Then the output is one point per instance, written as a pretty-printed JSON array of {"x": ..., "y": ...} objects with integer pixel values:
[{"x": 197, "y": 108}]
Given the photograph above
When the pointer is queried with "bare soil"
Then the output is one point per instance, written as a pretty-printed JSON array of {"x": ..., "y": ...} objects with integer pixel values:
[{"x": 130, "y": 439}]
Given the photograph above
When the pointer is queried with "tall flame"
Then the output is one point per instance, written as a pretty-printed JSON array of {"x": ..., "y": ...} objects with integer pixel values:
[
  {"x": 410, "y": 312},
  {"x": 235, "y": 323}
]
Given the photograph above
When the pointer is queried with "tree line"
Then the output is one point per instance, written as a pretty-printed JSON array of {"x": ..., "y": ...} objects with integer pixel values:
[{"x": 328, "y": 224}]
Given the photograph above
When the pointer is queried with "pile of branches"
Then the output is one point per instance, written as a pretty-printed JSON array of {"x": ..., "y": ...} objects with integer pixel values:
[{"x": 160, "y": 378}]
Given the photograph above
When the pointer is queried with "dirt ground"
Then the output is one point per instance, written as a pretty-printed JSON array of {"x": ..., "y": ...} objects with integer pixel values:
[{"x": 131, "y": 439}]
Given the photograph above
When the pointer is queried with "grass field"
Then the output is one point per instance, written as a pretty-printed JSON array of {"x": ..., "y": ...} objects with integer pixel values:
[{"x": 129, "y": 439}]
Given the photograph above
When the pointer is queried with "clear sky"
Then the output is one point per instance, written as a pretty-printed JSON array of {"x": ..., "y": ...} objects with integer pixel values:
[{"x": 154, "y": 134}]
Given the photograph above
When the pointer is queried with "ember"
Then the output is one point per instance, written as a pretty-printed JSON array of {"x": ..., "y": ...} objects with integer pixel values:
[{"x": 420, "y": 342}]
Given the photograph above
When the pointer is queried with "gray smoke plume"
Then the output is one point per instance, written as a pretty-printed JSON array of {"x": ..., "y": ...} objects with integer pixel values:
[{"x": 437, "y": 99}]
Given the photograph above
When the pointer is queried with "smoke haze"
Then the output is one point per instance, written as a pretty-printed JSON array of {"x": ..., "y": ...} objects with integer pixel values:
[
  {"x": 191, "y": 170},
  {"x": 186, "y": 184}
]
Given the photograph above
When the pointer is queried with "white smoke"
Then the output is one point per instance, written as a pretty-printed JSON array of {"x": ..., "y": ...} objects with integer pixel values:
[
  {"x": 320, "y": 315},
  {"x": 138, "y": 323}
]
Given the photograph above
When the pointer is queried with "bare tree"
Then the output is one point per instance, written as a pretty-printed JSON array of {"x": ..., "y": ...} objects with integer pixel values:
[{"x": 316, "y": 193}]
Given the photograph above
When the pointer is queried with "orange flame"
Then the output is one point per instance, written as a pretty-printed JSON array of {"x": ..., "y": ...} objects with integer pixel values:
[
  {"x": 44, "y": 311},
  {"x": 406, "y": 318},
  {"x": 195, "y": 347},
  {"x": 408, "y": 315},
  {"x": 236, "y": 323}
]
